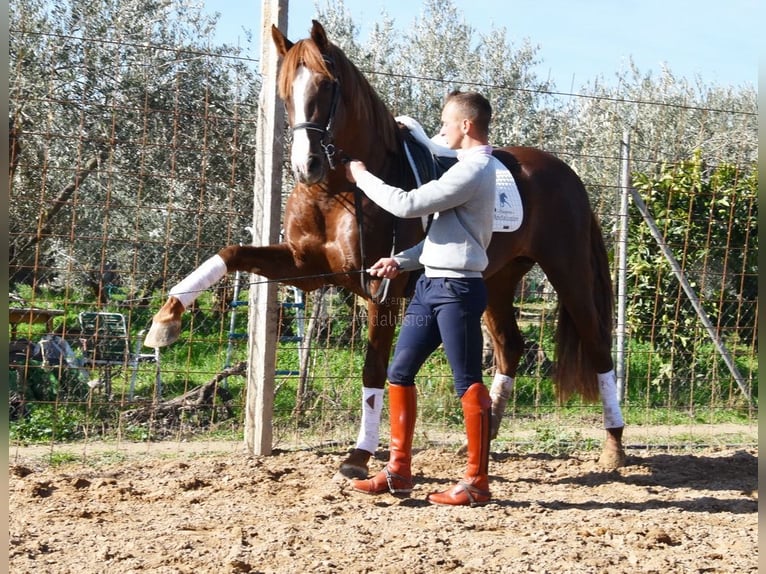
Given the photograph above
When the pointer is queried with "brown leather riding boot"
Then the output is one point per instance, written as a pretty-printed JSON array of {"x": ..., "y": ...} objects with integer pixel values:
[
  {"x": 473, "y": 490},
  {"x": 396, "y": 478}
]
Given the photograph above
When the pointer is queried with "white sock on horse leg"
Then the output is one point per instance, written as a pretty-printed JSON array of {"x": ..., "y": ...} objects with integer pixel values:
[
  {"x": 502, "y": 386},
  {"x": 499, "y": 392},
  {"x": 369, "y": 431},
  {"x": 207, "y": 274},
  {"x": 607, "y": 387}
]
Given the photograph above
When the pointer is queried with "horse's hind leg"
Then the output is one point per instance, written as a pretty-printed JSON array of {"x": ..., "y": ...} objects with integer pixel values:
[
  {"x": 581, "y": 314},
  {"x": 613, "y": 453},
  {"x": 507, "y": 341}
]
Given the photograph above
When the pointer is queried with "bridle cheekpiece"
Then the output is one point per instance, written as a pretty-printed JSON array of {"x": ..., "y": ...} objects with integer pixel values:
[{"x": 326, "y": 140}]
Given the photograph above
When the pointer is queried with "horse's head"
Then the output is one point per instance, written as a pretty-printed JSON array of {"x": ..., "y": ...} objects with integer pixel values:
[{"x": 310, "y": 89}]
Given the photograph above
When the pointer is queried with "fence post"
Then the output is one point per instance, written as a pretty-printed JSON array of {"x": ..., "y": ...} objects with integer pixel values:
[
  {"x": 622, "y": 264},
  {"x": 267, "y": 192}
]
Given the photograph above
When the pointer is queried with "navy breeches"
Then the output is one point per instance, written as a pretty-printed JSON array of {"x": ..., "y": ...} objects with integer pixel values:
[{"x": 443, "y": 310}]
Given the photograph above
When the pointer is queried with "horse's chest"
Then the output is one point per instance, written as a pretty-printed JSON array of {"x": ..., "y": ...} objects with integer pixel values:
[{"x": 330, "y": 235}]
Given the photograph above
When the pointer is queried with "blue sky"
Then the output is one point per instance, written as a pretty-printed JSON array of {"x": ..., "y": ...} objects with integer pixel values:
[{"x": 578, "y": 40}]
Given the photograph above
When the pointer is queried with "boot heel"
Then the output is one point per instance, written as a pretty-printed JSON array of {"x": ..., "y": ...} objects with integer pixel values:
[{"x": 473, "y": 490}]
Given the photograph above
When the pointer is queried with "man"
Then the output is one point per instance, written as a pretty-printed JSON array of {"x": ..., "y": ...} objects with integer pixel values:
[{"x": 450, "y": 297}]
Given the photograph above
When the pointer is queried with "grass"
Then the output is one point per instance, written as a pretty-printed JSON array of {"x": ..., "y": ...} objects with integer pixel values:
[
  {"x": 94, "y": 459},
  {"x": 61, "y": 458},
  {"x": 330, "y": 401}
]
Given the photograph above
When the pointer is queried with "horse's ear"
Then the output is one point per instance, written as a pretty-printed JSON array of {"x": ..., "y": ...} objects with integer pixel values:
[
  {"x": 319, "y": 36},
  {"x": 280, "y": 41}
]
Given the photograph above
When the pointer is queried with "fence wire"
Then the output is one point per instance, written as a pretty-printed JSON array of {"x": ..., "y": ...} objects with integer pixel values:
[{"x": 120, "y": 188}]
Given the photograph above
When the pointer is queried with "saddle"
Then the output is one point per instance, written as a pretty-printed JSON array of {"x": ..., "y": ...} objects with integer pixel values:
[{"x": 429, "y": 160}]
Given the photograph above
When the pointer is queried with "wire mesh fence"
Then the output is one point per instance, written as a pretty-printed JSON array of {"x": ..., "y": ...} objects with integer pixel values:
[{"x": 132, "y": 163}]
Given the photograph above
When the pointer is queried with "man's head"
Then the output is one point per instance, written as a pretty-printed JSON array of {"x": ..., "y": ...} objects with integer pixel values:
[{"x": 465, "y": 120}]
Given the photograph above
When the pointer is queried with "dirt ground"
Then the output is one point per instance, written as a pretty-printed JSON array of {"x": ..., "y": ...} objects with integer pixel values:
[{"x": 223, "y": 512}]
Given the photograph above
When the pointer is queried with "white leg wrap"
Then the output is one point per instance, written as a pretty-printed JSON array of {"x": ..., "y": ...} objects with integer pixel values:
[
  {"x": 369, "y": 431},
  {"x": 207, "y": 274},
  {"x": 502, "y": 386},
  {"x": 499, "y": 392},
  {"x": 607, "y": 387}
]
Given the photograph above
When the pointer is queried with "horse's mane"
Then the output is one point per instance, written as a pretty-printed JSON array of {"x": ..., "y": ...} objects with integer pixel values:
[{"x": 358, "y": 95}]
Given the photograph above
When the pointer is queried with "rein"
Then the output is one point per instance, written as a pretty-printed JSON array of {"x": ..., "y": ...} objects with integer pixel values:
[
  {"x": 380, "y": 295},
  {"x": 423, "y": 165}
]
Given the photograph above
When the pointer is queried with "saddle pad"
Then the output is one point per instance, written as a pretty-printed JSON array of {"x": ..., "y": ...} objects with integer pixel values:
[{"x": 509, "y": 211}]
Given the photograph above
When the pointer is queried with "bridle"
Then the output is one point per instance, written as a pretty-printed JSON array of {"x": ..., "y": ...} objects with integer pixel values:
[
  {"x": 330, "y": 151},
  {"x": 326, "y": 140}
]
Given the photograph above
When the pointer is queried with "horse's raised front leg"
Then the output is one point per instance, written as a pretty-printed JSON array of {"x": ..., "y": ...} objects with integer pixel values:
[
  {"x": 381, "y": 320},
  {"x": 274, "y": 262}
]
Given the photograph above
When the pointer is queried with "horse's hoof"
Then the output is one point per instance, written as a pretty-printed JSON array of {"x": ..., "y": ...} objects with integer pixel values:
[
  {"x": 612, "y": 458},
  {"x": 162, "y": 334},
  {"x": 612, "y": 455},
  {"x": 355, "y": 465},
  {"x": 353, "y": 471}
]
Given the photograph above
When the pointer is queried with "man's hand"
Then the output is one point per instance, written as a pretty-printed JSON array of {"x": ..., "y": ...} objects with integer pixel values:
[
  {"x": 385, "y": 267},
  {"x": 354, "y": 167}
]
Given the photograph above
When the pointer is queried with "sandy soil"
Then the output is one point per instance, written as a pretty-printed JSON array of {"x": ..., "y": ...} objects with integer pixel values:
[{"x": 224, "y": 512}]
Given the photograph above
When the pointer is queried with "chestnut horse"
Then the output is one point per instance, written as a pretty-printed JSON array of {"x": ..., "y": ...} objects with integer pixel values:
[{"x": 332, "y": 233}]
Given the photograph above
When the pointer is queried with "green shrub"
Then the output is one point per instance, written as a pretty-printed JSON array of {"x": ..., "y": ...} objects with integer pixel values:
[{"x": 46, "y": 423}]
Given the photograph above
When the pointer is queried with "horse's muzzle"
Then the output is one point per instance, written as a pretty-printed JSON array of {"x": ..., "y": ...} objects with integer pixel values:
[{"x": 312, "y": 172}]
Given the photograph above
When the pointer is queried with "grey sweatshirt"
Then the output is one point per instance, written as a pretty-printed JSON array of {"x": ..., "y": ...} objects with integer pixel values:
[{"x": 462, "y": 201}]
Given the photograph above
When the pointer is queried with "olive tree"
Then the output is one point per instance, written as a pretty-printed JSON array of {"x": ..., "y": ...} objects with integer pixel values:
[{"x": 137, "y": 142}]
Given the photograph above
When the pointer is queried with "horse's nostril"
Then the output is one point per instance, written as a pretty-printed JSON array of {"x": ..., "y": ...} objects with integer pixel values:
[{"x": 315, "y": 164}]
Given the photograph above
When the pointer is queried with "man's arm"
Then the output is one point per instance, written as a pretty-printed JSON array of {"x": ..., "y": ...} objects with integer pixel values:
[{"x": 451, "y": 190}]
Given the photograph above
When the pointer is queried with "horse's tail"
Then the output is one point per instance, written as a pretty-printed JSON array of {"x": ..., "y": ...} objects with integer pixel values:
[{"x": 574, "y": 372}]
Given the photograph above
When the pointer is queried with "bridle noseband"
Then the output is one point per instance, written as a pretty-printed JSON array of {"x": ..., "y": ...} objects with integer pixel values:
[{"x": 326, "y": 140}]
